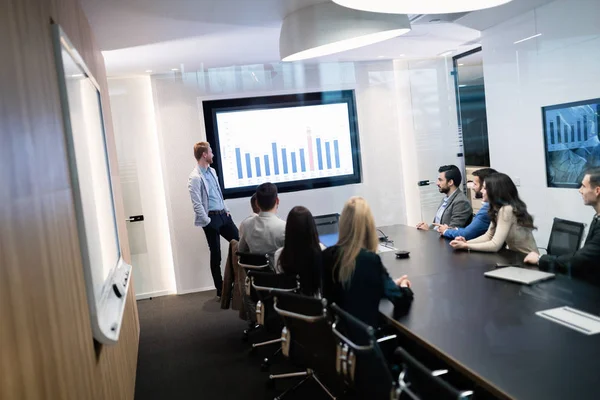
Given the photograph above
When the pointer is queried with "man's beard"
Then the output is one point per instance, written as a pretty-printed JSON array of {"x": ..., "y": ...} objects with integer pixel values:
[{"x": 445, "y": 191}]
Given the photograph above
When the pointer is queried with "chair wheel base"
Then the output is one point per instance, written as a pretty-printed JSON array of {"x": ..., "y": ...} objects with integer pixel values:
[{"x": 264, "y": 366}]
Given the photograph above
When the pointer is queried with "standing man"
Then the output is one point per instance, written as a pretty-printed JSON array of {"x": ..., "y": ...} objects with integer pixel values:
[
  {"x": 210, "y": 209},
  {"x": 585, "y": 262},
  {"x": 481, "y": 222},
  {"x": 455, "y": 210}
]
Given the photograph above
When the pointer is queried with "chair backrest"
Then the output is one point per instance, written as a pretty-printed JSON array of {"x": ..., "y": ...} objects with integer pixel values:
[
  {"x": 418, "y": 382},
  {"x": 252, "y": 259},
  {"x": 565, "y": 237},
  {"x": 307, "y": 336},
  {"x": 359, "y": 359},
  {"x": 327, "y": 224},
  {"x": 263, "y": 284}
]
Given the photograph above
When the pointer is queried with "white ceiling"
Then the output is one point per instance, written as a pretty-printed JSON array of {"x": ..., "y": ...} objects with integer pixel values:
[{"x": 158, "y": 35}]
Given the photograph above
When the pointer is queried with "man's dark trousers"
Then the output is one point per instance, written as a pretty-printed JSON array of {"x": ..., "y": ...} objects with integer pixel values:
[{"x": 220, "y": 224}]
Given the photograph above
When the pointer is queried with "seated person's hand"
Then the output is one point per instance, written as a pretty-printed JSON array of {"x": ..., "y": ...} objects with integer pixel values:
[
  {"x": 459, "y": 243},
  {"x": 423, "y": 226},
  {"x": 532, "y": 258},
  {"x": 403, "y": 281},
  {"x": 441, "y": 228}
]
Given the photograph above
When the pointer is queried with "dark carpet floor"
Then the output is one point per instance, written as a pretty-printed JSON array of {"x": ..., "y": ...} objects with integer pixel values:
[{"x": 192, "y": 349}]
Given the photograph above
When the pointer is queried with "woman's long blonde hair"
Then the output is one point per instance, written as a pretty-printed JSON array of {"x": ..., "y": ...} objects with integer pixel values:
[{"x": 357, "y": 231}]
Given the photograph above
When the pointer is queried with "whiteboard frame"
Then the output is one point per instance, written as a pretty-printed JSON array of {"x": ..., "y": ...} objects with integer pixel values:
[{"x": 106, "y": 312}]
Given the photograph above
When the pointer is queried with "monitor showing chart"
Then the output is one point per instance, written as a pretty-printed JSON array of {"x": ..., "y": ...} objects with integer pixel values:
[{"x": 296, "y": 141}]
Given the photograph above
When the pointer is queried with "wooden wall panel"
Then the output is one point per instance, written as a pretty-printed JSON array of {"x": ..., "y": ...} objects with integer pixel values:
[{"x": 47, "y": 350}]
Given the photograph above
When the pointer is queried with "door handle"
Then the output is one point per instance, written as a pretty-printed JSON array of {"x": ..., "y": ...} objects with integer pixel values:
[{"x": 135, "y": 218}]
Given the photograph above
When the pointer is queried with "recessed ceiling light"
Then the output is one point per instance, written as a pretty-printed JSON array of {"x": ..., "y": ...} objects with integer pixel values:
[
  {"x": 419, "y": 6},
  {"x": 460, "y": 65},
  {"x": 148, "y": 71},
  {"x": 380, "y": 56},
  {"x": 327, "y": 28},
  {"x": 174, "y": 69}
]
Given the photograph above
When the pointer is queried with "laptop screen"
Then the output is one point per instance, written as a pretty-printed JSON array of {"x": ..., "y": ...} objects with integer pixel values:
[{"x": 329, "y": 239}]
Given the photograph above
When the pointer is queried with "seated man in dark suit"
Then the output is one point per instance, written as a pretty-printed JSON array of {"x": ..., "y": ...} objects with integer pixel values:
[
  {"x": 585, "y": 262},
  {"x": 455, "y": 211}
]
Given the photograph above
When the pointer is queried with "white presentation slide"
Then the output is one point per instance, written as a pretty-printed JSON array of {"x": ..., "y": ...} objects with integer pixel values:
[{"x": 284, "y": 144}]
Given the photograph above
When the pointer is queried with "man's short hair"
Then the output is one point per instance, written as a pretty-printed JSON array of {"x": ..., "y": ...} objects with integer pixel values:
[
  {"x": 594, "y": 174},
  {"x": 484, "y": 173},
  {"x": 199, "y": 149},
  {"x": 451, "y": 172},
  {"x": 254, "y": 204},
  {"x": 266, "y": 196}
]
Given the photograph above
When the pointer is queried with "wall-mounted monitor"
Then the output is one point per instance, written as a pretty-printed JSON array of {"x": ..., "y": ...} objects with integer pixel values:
[
  {"x": 105, "y": 272},
  {"x": 572, "y": 141},
  {"x": 297, "y": 141}
]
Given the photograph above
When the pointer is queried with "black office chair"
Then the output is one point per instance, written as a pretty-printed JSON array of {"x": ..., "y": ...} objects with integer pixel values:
[
  {"x": 307, "y": 340},
  {"x": 263, "y": 285},
  {"x": 565, "y": 237},
  {"x": 327, "y": 223},
  {"x": 359, "y": 359},
  {"x": 417, "y": 382},
  {"x": 251, "y": 262}
]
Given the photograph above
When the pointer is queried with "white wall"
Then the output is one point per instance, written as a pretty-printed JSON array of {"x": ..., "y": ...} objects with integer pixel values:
[
  {"x": 560, "y": 66},
  {"x": 142, "y": 185}
]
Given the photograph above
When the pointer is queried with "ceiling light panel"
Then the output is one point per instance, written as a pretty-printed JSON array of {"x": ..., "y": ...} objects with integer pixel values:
[
  {"x": 327, "y": 28},
  {"x": 420, "y": 6}
]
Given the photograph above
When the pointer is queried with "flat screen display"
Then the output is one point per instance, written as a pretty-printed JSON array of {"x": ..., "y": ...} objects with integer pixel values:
[
  {"x": 298, "y": 142},
  {"x": 572, "y": 141}
]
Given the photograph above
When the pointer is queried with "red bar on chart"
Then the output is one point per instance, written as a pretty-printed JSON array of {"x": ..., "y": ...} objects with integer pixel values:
[{"x": 310, "y": 149}]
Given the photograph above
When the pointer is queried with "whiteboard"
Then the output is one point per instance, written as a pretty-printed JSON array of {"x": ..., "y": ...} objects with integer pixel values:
[{"x": 105, "y": 272}]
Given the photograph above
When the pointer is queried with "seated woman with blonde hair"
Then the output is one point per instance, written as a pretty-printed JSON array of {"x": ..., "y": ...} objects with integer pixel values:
[
  {"x": 353, "y": 275},
  {"x": 510, "y": 221}
]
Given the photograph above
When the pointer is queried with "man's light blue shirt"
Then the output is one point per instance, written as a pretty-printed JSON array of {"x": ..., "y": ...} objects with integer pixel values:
[
  {"x": 440, "y": 211},
  {"x": 215, "y": 201},
  {"x": 476, "y": 228}
]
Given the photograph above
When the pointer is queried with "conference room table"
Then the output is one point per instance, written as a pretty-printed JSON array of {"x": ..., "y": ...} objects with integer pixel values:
[{"x": 486, "y": 328}]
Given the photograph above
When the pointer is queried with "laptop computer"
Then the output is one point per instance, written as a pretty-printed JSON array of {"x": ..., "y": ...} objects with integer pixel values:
[
  {"x": 519, "y": 275},
  {"x": 329, "y": 239}
]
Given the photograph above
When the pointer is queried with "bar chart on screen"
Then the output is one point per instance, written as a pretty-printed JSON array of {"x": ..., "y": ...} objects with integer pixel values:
[{"x": 284, "y": 144}]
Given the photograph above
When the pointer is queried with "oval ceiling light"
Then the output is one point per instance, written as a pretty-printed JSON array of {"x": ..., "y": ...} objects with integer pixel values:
[
  {"x": 420, "y": 6},
  {"x": 327, "y": 28}
]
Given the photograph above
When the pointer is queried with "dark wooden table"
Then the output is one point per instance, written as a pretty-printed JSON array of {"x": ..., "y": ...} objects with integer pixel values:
[{"x": 487, "y": 328}]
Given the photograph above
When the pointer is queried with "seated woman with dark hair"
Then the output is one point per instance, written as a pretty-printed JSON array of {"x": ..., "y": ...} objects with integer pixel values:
[
  {"x": 301, "y": 253},
  {"x": 353, "y": 275},
  {"x": 510, "y": 221}
]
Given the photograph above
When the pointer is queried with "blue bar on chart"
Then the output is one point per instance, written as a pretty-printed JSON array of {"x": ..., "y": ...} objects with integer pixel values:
[
  {"x": 257, "y": 162},
  {"x": 238, "y": 159},
  {"x": 319, "y": 154},
  {"x": 328, "y": 155},
  {"x": 248, "y": 165},
  {"x": 336, "y": 151},
  {"x": 302, "y": 164},
  {"x": 294, "y": 170},
  {"x": 267, "y": 168},
  {"x": 284, "y": 160},
  {"x": 275, "y": 159}
]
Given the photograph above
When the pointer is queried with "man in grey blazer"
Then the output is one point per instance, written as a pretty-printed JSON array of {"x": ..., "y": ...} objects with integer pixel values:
[
  {"x": 455, "y": 209},
  {"x": 209, "y": 207}
]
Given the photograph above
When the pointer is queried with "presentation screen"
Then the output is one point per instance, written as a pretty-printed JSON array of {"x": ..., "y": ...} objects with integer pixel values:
[{"x": 299, "y": 142}]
